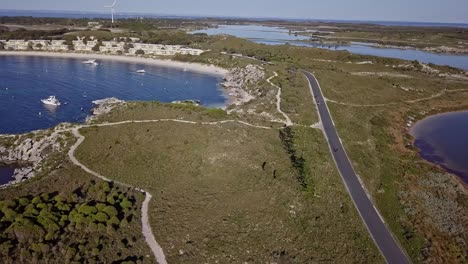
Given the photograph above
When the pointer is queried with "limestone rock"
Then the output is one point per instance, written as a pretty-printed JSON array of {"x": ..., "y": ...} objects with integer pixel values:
[{"x": 238, "y": 80}]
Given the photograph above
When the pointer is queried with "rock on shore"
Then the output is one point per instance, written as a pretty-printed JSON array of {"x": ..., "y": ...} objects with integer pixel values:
[
  {"x": 237, "y": 81},
  {"x": 28, "y": 153},
  {"x": 103, "y": 106}
]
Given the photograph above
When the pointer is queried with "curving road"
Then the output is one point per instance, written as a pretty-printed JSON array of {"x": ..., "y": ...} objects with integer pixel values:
[{"x": 375, "y": 224}]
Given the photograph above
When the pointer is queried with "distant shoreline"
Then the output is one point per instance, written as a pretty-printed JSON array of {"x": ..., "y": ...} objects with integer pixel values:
[
  {"x": 124, "y": 15},
  {"x": 194, "y": 67}
]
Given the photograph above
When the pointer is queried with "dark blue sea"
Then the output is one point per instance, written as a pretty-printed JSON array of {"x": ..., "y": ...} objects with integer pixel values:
[
  {"x": 5, "y": 174},
  {"x": 443, "y": 140},
  {"x": 25, "y": 80}
]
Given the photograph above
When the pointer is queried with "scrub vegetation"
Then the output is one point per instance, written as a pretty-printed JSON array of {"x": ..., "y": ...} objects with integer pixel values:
[
  {"x": 70, "y": 217},
  {"x": 230, "y": 193}
]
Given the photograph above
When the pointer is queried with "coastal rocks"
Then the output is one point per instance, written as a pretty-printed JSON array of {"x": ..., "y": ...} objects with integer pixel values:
[
  {"x": 439, "y": 49},
  {"x": 22, "y": 174},
  {"x": 238, "y": 80},
  {"x": 28, "y": 152},
  {"x": 103, "y": 106},
  {"x": 445, "y": 49},
  {"x": 188, "y": 102}
]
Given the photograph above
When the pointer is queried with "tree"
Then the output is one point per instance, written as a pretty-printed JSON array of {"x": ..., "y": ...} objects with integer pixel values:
[
  {"x": 87, "y": 209},
  {"x": 101, "y": 217},
  {"x": 126, "y": 203},
  {"x": 39, "y": 45},
  {"x": 97, "y": 46},
  {"x": 30, "y": 45},
  {"x": 140, "y": 52},
  {"x": 110, "y": 211},
  {"x": 128, "y": 46}
]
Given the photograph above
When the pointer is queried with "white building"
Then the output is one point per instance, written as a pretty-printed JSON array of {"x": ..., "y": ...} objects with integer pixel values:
[
  {"x": 93, "y": 24},
  {"x": 57, "y": 45},
  {"x": 79, "y": 45},
  {"x": 16, "y": 44},
  {"x": 163, "y": 50},
  {"x": 112, "y": 47},
  {"x": 194, "y": 52}
]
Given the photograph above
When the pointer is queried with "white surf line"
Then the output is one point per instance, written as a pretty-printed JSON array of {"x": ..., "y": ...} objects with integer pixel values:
[
  {"x": 146, "y": 228},
  {"x": 288, "y": 121}
]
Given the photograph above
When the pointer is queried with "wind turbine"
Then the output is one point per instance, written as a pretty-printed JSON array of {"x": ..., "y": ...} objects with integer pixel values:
[{"x": 112, "y": 10}]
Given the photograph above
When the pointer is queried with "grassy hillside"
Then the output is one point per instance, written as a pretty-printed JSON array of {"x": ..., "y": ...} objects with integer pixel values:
[{"x": 232, "y": 193}]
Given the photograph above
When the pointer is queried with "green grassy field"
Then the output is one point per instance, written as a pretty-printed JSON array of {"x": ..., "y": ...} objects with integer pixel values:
[
  {"x": 229, "y": 193},
  {"x": 400, "y": 182}
]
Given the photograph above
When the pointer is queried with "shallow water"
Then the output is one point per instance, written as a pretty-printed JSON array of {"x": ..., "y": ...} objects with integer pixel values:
[
  {"x": 25, "y": 80},
  {"x": 6, "y": 174},
  {"x": 280, "y": 36},
  {"x": 443, "y": 140}
]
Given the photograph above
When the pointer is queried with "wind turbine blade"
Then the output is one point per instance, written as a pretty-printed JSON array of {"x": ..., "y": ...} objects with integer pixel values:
[{"x": 114, "y": 3}]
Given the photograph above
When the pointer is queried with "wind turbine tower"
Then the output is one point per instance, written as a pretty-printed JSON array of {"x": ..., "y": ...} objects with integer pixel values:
[{"x": 112, "y": 10}]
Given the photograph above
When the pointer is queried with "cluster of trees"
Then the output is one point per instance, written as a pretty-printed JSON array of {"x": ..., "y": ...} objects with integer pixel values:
[
  {"x": 266, "y": 54},
  {"x": 175, "y": 37},
  {"x": 32, "y": 34},
  {"x": 298, "y": 162},
  {"x": 21, "y": 20},
  {"x": 54, "y": 226}
]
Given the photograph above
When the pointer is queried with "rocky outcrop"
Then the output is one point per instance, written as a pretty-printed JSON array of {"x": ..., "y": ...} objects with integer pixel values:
[
  {"x": 103, "y": 106},
  {"x": 187, "y": 102},
  {"x": 445, "y": 49},
  {"x": 439, "y": 49},
  {"x": 238, "y": 80},
  {"x": 27, "y": 153}
]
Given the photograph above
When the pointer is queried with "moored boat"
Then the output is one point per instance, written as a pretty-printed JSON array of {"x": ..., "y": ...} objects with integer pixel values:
[{"x": 51, "y": 101}]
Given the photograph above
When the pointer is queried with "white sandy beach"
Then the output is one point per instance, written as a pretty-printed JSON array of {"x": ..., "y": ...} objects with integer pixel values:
[{"x": 194, "y": 67}]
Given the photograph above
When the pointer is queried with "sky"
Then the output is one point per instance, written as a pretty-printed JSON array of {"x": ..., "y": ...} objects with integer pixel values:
[{"x": 448, "y": 11}]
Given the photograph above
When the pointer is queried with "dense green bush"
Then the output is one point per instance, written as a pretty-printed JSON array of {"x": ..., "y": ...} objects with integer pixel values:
[{"x": 49, "y": 226}]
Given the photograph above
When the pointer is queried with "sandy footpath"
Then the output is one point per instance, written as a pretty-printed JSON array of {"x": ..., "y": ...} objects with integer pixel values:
[{"x": 194, "y": 67}]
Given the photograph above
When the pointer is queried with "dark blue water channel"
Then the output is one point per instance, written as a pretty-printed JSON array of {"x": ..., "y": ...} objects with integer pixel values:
[
  {"x": 25, "y": 80},
  {"x": 6, "y": 174},
  {"x": 443, "y": 140}
]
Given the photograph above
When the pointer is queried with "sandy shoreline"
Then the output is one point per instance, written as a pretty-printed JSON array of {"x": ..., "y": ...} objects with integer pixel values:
[{"x": 194, "y": 67}]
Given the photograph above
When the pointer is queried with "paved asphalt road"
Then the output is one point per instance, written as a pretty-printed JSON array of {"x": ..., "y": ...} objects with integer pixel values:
[{"x": 382, "y": 236}]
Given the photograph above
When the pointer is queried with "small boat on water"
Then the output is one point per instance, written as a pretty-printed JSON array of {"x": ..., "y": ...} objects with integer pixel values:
[
  {"x": 92, "y": 62},
  {"x": 141, "y": 71},
  {"x": 51, "y": 101}
]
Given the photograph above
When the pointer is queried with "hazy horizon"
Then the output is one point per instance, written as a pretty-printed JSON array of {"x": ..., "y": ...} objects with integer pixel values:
[
  {"x": 450, "y": 11},
  {"x": 215, "y": 16}
]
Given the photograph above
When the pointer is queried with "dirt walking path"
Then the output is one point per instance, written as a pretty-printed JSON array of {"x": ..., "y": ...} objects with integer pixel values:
[{"x": 288, "y": 121}]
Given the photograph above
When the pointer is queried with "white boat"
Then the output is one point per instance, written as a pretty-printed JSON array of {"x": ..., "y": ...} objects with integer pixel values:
[
  {"x": 51, "y": 101},
  {"x": 93, "y": 62},
  {"x": 141, "y": 71}
]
